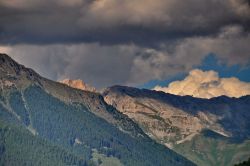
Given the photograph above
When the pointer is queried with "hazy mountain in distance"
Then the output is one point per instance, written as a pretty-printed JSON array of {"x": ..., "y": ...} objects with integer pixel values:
[
  {"x": 207, "y": 131},
  {"x": 43, "y": 122}
]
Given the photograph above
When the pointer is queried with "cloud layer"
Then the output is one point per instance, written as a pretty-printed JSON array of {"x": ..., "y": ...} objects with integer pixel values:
[
  {"x": 106, "y": 65},
  {"x": 107, "y": 42},
  {"x": 116, "y": 21},
  {"x": 207, "y": 84}
]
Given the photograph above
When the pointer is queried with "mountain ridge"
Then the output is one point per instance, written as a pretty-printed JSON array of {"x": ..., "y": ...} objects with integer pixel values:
[
  {"x": 175, "y": 121},
  {"x": 79, "y": 121},
  {"x": 93, "y": 100},
  {"x": 192, "y": 127}
]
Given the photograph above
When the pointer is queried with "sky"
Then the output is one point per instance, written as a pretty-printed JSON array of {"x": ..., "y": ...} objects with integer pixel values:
[
  {"x": 142, "y": 43},
  {"x": 210, "y": 62}
]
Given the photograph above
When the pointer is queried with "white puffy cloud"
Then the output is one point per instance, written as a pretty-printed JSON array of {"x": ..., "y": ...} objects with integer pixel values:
[{"x": 207, "y": 84}]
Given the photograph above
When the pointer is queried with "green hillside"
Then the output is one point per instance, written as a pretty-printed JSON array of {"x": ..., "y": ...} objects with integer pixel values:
[
  {"x": 20, "y": 147},
  {"x": 39, "y": 129},
  {"x": 209, "y": 149}
]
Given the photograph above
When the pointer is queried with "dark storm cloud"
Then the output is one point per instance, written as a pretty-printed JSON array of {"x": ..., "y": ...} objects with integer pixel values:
[
  {"x": 106, "y": 65},
  {"x": 97, "y": 65},
  {"x": 107, "y": 42},
  {"x": 116, "y": 21}
]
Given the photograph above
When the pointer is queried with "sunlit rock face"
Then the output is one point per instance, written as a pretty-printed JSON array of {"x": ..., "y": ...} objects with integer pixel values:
[
  {"x": 207, "y": 84},
  {"x": 194, "y": 127},
  {"x": 172, "y": 119},
  {"x": 78, "y": 84}
]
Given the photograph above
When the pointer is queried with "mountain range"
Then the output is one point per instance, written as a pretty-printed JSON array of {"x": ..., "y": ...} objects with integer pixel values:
[
  {"x": 206, "y": 131},
  {"x": 43, "y": 122}
]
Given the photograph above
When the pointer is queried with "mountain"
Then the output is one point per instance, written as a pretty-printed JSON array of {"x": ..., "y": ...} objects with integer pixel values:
[
  {"x": 43, "y": 122},
  {"x": 207, "y": 131},
  {"x": 79, "y": 84}
]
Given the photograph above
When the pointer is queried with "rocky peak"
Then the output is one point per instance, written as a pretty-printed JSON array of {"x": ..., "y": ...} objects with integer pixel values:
[
  {"x": 12, "y": 74},
  {"x": 11, "y": 68},
  {"x": 78, "y": 84}
]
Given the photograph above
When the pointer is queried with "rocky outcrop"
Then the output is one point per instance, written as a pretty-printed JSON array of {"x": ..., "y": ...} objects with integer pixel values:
[{"x": 78, "y": 84}]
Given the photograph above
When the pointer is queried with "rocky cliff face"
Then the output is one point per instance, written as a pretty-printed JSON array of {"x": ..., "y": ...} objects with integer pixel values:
[
  {"x": 176, "y": 120},
  {"x": 207, "y": 131},
  {"x": 78, "y": 84}
]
